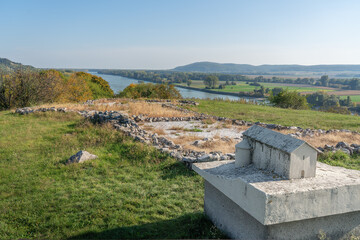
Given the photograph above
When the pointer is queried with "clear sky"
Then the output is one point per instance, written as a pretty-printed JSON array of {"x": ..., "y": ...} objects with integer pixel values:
[{"x": 162, "y": 34}]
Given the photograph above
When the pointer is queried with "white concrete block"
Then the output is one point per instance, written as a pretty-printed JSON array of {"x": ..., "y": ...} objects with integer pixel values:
[{"x": 271, "y": 200}]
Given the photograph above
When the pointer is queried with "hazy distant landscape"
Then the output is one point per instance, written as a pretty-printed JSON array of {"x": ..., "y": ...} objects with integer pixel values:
[{"x": 340, "y": 71}]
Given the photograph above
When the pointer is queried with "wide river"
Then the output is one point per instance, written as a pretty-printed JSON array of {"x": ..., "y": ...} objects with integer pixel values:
[{"x": 118, "y": 83}]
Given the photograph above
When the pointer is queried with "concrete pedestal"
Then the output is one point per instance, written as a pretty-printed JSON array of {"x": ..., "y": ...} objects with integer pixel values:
[
  {"x": 238, "y": 224},
  {"x": 250, "y": 204}
]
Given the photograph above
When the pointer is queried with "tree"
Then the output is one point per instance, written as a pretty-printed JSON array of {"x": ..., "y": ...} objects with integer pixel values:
[
  {"x": 349, "y": 102},
  {"x": 354, "y": 84},
  {"x": 260, "y": 92},
  {"x": 149, "y": 90},
  {"x": 289, "y": 99},
  {"x": 222, "y": 86},
  {"x": 324, "y": 80},
  {"x": 276, "y": 91},
  {"x": 188, "y": 82},
  {"x": 211, "y": 81},
  {"x": 77, "y": 90},
  {"x": 331, "y": 101}
]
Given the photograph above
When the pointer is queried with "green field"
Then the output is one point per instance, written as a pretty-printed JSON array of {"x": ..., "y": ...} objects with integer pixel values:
[
  {"x": 354, "y": 98},
  {"x": 286, "y": 117},
  {"x": 243, "y": 87},
  {"x": 130, "y": 191}
]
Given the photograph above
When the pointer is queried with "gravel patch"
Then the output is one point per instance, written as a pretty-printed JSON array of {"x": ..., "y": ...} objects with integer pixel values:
[{"x": 186, "y": 128}]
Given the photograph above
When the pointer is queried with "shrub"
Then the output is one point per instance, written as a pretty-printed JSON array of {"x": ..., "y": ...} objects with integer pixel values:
[
  {"x": 77, "y": 90},
  {"x": 289, "y": 99},
  {"x": 149, "y": 90},
  {"x": 26, "y": 88},
  {"x": 98, "y": 86}
]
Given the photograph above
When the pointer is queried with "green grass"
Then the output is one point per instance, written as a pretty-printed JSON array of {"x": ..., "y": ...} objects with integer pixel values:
[
  {"x": 243, "y": 87},
  {"x": 341, "y": 159},
  {"x": 130, "y": 191},
  {"x": 286, "y": 117},
  {"x": 354, "y": 98},
  {"x": 193, "y": 130}
]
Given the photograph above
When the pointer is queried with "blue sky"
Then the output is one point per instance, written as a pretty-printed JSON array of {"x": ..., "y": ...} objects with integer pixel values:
[{"x": 162, "y": 34}]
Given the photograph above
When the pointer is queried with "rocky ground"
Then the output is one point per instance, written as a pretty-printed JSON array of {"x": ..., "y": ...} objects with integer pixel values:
[{"x": 193, "y": 137}]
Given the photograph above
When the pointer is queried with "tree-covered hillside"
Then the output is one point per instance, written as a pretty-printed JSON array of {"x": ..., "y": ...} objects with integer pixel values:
[
  {"x": 8, "y": 66},
  {"x": 251, "y": 69}
]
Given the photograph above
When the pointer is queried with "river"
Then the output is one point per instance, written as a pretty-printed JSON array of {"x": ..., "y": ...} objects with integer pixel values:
[{"x": 118, "y": 83}]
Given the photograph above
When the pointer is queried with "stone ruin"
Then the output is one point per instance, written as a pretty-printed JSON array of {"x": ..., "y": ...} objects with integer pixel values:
[{"x": 275, "y": 189}]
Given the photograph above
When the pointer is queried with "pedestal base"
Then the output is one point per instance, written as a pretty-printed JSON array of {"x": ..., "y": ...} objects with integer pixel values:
[{"x": 237, "y": 223}]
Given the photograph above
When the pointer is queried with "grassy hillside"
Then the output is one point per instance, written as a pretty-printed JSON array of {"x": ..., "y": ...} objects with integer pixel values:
[
  {"x": 287, "y": 117},
  {"x": 131, "y": 191}
]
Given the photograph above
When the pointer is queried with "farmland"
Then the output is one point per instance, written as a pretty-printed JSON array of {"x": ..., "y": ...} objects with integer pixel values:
[{"x": 244, "y": 87}]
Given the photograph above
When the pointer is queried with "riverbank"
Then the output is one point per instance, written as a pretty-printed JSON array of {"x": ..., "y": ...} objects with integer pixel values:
[
  {"x": 118, "y": 83},
  {"x": 219, "y": 92}
]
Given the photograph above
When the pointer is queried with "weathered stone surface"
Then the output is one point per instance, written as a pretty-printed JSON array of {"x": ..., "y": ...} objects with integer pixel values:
[
  {"x": 81, "y": 157},
  {"x": 238, "y": 224},
  {"x": 189, "y": 159},
  {"x": 271, "y": 199},
  {"x": 270, "y": 150},
  {"x": 204, "y": 158}
]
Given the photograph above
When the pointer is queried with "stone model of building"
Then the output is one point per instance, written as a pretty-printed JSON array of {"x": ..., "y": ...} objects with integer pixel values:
[
  {"x": 262, "y": 195},
  {"x": 273, "y": 151}
]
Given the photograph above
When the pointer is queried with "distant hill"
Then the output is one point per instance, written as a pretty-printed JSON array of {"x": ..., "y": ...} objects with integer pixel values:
[
  {"x": 9, "y": 66},
  {"x": 208, "y": 67}
]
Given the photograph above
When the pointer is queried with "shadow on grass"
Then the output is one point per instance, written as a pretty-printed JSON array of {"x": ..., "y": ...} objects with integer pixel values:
[
  {"x": 188, "y": 226},
  {"x": 176, "y": 169}
]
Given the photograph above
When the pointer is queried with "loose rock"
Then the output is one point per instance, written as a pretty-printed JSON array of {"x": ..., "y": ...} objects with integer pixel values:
[{"x": 81, "y": 157}]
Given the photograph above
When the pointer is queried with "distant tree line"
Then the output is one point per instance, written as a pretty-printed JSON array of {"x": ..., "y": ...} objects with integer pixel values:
[
  {"x": 184, "y": 77},
  {"x": 322, "y": 99},
  {"x": 319, "y": 100}
]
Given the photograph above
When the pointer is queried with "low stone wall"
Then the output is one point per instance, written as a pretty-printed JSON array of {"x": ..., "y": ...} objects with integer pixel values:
[
  {"x": 122, "y": 122},
  {"x": 191, "y": 155}
]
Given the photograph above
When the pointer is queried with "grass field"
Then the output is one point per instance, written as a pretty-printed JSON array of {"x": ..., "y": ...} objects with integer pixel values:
[
  {"x": 130, "y": 191},
  {"x": 355, "y": 98},
  {"x": 242, "y": 86},
  {"x": 287, "y": 117}
]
